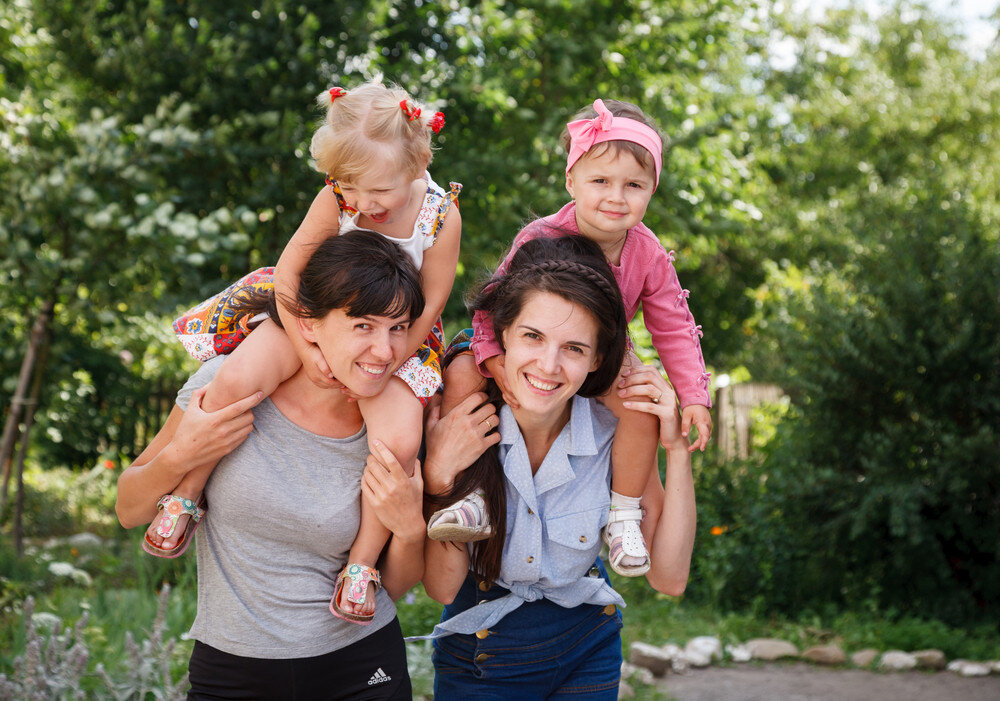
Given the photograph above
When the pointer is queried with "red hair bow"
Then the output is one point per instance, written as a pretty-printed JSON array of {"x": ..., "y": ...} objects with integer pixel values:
[
  {"x": 335, "y": 93},
  {"x": 411, "y": 113},
  {"x": 437, "y": 121}
]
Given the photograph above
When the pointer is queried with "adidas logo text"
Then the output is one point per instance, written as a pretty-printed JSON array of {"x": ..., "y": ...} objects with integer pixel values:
[{"x": 379, "y": 677}]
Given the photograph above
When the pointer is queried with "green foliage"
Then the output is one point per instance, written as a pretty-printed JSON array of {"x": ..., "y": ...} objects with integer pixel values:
[{"x": 881, "y": 485}]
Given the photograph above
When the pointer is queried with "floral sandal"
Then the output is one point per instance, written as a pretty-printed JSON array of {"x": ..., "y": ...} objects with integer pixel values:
[
  {"x": 171, "y": 508},
  {"x": 629, "y": 543},
  {"x": 357, "y": 578},
  {"x": 465, "y": 521}
]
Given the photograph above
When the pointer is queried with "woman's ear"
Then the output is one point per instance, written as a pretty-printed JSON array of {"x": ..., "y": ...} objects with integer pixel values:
[{"x": 306, "y": 328}]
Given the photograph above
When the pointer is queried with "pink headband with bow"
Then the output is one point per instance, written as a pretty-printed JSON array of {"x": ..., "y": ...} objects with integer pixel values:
[{"x": 585, "y": 133}]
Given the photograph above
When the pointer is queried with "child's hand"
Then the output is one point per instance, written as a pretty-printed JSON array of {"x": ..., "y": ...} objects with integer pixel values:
[
  {"x": 645, "y": 381},
  {"x": 495, "y": 366},
  {"x": 317, "y": 369},
  {"x": 702, "y": 419}
]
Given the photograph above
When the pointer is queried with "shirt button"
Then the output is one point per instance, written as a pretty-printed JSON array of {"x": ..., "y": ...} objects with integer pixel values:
[
  {"x": 530, "y": 511},
  {"x": 481, "y": 634},
  {"x": 530, "y": 558},
  {"x": 484, "y": 585},
  {"x": 609, "y": 610},
  {"x": 583, "y": 539},
  {"x": 482, "y": 657}
]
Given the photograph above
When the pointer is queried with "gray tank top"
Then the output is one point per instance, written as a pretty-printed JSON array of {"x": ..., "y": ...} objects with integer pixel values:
[{"x": 283, "y": 511}]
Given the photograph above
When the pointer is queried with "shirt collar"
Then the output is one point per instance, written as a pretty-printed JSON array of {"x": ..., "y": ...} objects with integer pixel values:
[
  {"x": 579, "y": 431},
  {"x": 575, "y": 439}
]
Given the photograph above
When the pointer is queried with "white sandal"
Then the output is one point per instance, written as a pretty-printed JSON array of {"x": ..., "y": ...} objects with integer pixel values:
[
  {"x": 629, "y": 544},
  {"x": 465, "y": 521}
]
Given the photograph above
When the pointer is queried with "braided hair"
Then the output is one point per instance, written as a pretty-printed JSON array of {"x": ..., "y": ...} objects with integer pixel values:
[{"x": 575, "y": 269}]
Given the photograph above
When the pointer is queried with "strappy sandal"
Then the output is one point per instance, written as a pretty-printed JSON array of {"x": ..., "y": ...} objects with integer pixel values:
[
  {"x": 171, "y": 508},
  {"x": 357, "y": 577},
  {"x": 465, "y": 521},
  {"x": 629, "y": 544}
]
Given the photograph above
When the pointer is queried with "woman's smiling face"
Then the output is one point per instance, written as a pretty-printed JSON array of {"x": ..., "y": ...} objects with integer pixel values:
[
  {"x": 550, "y": 349},
  {"x": 362, "y": 351}
]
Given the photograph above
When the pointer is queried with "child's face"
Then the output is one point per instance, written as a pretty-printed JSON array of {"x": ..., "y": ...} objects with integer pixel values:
[
  {"x": 382, "y": 197},
  {"x": 612, "y": 191}
]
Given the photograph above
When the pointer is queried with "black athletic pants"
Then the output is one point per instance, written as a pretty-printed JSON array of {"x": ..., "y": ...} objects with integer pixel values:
[{"x": 372, "y": 668}]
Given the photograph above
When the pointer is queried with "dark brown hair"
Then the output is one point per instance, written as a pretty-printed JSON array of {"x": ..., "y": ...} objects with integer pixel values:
[
  {"x": 575, "y": 269},
  {"x": 361, "y": 272}
]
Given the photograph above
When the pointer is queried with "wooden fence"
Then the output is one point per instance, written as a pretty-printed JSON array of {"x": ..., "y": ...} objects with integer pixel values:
[{"x": 734, "y": 405}]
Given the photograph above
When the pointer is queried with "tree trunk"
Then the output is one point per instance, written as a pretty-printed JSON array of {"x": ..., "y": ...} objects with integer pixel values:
[
  {"x": 17, "y": 403},
  {"x": 29, "y": 421}
]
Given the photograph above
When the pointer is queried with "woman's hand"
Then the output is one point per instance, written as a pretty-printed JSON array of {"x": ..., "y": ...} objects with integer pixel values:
[
  {"x": 205, "y": 437},
  {"x": 454, "y": 442},
  {"x": 396, "y": 498},
  {"x": 646, "y": 382}
]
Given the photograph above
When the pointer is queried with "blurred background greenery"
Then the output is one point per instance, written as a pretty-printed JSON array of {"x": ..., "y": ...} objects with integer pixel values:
[{"x": 830, "y": 188}]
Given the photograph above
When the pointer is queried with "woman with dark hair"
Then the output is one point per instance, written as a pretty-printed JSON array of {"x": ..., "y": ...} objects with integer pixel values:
[
  {"x": 286, "y": 495},
  {"x": 530, "y": 611}
]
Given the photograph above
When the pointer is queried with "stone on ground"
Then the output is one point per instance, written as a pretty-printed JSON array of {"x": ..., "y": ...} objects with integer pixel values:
[
  {"x": 771, "y": 649},
  {"x": 825, "y": 654},
  {"x": 897, "y": 661},
  {"x": 863, "y": 658},
  {"x": 930, "y": 659},
  {"x": 651, "y": 657}
]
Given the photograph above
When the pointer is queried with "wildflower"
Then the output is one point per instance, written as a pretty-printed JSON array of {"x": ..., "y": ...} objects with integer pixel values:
[
  {"x": 718, "y": 530},
  {"x": 74, "y": 552},
  {"x": 109, "y": 465}
]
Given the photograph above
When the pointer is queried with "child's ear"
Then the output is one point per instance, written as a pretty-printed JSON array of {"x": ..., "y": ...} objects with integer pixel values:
[
  {"x": 569, "y": 185},
  {"x": 306, "y": 328}
]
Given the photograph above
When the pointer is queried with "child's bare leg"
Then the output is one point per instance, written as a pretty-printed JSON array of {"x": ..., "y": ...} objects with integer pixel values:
[
  {"x": 461, "y": 378},
  {"x": 395, "y": 419},
  {"x": 633, "y": 458},
  {"x": 264, "y": 360}
]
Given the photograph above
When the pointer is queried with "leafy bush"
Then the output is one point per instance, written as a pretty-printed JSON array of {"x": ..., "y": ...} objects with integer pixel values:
[{"x": 878, "y": 492}]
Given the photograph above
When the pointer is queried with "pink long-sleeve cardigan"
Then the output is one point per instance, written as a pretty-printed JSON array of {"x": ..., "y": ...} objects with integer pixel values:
[{"x": 645, "y": 275}]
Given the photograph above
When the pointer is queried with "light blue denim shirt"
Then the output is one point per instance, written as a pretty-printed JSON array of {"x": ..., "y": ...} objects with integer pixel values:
[{"x": 554, "y": 519}]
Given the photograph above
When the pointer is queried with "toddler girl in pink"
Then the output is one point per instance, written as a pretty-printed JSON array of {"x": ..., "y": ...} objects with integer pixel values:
[{"x": 613, "y": 168}]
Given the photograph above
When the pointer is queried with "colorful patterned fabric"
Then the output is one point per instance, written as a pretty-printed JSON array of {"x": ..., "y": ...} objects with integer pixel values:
[
  {"x": 422, "y": 371},
  {"x": 460, "y": 344},
  {"x": 217, "y": 326}
]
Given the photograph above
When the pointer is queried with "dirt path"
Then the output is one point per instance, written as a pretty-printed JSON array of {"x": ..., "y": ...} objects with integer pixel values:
[{"x": 803, "y": 682}]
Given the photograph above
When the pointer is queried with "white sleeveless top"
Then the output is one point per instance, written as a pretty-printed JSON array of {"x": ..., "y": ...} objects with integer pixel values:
[{"x": 425, "y": 227}]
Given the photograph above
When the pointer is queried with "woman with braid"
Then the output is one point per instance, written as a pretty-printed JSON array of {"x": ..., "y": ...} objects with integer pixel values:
[
  {"x": 613, "y": 168},
  {"x": 530, "y": 612}
]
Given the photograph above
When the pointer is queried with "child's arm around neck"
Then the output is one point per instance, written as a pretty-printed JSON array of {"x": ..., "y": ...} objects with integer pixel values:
[
  {"x": 321, "y": 222},
  {"x": 437, "y": 276}
]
